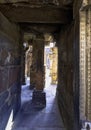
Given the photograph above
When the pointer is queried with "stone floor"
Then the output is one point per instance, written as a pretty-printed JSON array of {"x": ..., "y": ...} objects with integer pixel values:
[{"x": 31, "y": 118}]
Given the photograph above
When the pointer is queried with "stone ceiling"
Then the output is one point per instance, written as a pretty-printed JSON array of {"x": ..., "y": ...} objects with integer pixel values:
[
  {"x": 38, "y": 15},
  {"x": 55, "y": 2}
]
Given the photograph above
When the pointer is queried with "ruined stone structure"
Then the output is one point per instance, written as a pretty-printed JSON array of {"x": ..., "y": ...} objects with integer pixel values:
[{"x": 69, "y": 22}]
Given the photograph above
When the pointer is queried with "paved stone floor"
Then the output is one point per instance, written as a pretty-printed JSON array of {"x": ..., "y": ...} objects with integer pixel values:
[{"x": 31, "y": 118}]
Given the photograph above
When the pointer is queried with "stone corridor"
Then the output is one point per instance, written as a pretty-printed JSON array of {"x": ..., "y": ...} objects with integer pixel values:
[
  {"x": 38, "y": 23},
  {"x": 32, "y": 118}
]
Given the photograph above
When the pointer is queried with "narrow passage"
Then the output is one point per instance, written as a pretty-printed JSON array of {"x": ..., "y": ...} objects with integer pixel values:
[{"x": 32, "y": 118}]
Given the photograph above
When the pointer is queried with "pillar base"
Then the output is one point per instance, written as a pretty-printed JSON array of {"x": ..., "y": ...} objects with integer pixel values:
[{"x": 39, "y": 98}]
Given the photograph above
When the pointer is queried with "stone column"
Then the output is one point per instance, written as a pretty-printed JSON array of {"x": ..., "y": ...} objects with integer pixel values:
[
  {"x": 37, "y": 71},
  {"x": 54, "y": 65},
  {"x": 23, "y": 65},
  {"x": 85, "y": 65},
  {"x": 88, "y": 64},
  {"x": 82, "y": 65},
  {"x": 28, "y": 61}
]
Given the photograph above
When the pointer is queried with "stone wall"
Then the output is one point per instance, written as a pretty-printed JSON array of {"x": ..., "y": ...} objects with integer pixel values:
[
  {"x": 65, "y": 74},
  {"x": 68, "y": 71},
  {"x": 10, "y": 70}
]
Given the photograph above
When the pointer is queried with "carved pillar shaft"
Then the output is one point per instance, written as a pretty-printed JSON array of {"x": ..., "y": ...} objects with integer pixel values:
[
  {"x": 88, "y": 65},
  {"x": 54, "y": 65},
  {"x": 37, "y": 68},
  {"x": 82, "y": 65},
  {"x": 23, "y": 66},
  {"x": 37, "y": 72},
  {"x": 85, "y": 65}
]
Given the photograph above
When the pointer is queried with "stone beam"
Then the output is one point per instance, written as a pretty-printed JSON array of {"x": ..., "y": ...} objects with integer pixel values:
[
  {"x": 11, "y": 1},
  {"x": 68, "y": 2},
  {"x": 40, "y": 28},
  {"x": 9, "y": 29},
  {"x": 26, "y": 14}
]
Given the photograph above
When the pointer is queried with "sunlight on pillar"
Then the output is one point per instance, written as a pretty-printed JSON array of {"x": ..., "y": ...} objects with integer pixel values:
[
  {"x": 51, "y": 44},
  {"x": 50, "y": 62},
  {"x": 10, "y": 122}
]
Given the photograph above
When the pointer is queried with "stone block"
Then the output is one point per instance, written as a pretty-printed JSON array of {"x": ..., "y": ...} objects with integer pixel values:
[{"x": 39, "y": 99}]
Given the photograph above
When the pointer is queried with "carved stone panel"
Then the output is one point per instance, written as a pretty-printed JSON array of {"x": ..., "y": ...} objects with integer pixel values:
[
  {"x": 85, "y": 65},
  {"x": 82, "y": 64},
  {"x": 88, "y": 65}
]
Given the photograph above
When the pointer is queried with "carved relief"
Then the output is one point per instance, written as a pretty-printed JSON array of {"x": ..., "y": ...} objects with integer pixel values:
[
  {"x": 82, "y": 65},
  {"x": 88, "y": 65},
  {"x": 85, "y": 65}
]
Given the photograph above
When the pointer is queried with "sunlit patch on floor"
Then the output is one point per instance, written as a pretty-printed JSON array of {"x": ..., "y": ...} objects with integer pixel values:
[{"x": 10, "y": 122}]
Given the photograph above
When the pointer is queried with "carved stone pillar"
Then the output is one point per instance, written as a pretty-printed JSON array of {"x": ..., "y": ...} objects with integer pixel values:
[
  {"x": 37, "y": 70},
  {"x": 54, "y": 65},
  {"x": 88, "y": 65},
  {"x": 23, "y": 66},
  {"x": 85, "y": 65},
  {"x": 28, "y": 61},
  {"x": 82, "y": 65},
  {"x": 37, "y": 67}
]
